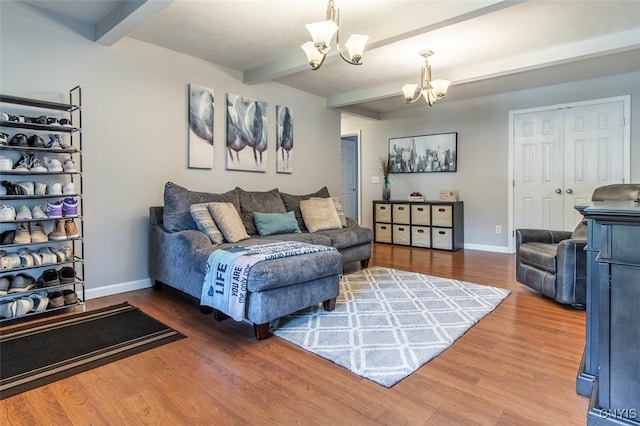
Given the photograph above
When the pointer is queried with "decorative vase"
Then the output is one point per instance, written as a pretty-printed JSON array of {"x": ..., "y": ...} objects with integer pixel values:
[{"x": 386, "y": 189}]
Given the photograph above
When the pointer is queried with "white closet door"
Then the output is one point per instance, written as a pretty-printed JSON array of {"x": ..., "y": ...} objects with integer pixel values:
[
  {"x": 538, "y": 170},
  {"x": 594, "y": 153}
]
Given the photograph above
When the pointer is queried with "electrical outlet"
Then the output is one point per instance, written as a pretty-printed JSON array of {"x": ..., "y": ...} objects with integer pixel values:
[{"x": 498, "y": 229}]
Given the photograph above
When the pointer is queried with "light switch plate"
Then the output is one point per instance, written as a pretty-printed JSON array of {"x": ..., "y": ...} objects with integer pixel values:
[{"x": 375, "y": 179}]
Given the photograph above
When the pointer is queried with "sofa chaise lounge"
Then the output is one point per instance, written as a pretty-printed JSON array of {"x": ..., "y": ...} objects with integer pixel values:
[{"x": 180, "y": 246}]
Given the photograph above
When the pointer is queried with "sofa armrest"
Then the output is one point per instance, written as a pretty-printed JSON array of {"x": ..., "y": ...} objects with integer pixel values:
[
  {"x": 351, "y": 223},
  {"x": 540, "y": 236},
  {"x": 571, "y": 272}
]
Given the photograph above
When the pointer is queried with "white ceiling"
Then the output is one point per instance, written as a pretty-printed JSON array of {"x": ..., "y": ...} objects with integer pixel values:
[{"x": 483, "y": 46}]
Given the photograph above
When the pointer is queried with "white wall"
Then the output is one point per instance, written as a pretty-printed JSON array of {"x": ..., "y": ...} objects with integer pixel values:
[
  {"x": 483, "y": 137},
  {"x": 134, "y": 99}
]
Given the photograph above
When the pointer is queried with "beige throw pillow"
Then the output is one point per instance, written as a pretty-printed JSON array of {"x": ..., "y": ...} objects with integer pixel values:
[
  {"x": 228, "y": 220},
  {"x": 320, "y": 214},
  {"x": 337, "y": 201},
  {"x": 201, "y": 215}
]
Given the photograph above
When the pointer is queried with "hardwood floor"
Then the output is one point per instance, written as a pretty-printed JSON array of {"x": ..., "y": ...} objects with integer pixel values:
[{"x": 517, "y": 366}]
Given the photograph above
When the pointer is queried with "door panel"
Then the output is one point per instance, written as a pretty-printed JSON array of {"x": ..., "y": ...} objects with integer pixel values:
[{"x": 349, "y": 185}]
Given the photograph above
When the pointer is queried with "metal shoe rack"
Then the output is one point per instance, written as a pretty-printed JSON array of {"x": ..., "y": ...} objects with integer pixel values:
[{"x": 20, "y": 112}]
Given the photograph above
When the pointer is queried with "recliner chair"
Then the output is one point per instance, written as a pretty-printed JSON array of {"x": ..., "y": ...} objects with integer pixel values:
[{"x": 554, "y": 263}]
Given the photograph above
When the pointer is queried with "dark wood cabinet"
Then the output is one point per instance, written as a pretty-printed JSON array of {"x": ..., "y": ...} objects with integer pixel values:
[{"x": 610, "y": 370}]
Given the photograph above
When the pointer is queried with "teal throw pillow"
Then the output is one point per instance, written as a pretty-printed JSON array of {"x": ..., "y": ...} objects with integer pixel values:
[{"x": 276, "y": 223}]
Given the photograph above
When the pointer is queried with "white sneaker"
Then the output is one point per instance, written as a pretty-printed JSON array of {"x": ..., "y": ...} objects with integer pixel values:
[
  {"x": 69, "y": 189},
  {"x": 38, "y": 213},
  {"x": 69, "y": 166},
  {"x": 47, "y": 256},
  {"x": 54, "y": 188},
  {"x": 37, "y": 167},
  {"x": 10, "y": 261},
  {"x": 40, "y": 188},
  {"x": 24, "y": 213},
  {"x": 26, "y": 188},
  {"x": 6, "y": 164},
  {"x": 7, "y": 212},
  {"x": 53, "y": 164}
]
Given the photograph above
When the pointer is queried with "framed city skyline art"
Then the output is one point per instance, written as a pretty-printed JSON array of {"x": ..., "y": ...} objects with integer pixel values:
[{"x": 424, "y": 153}]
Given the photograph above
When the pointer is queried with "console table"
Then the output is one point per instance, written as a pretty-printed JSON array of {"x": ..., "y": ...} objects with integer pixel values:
[{"x": 610, "y": 368}]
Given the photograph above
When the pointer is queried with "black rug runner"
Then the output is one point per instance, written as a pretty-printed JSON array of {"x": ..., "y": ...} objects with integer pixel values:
[{"x": 38, "y": 354}]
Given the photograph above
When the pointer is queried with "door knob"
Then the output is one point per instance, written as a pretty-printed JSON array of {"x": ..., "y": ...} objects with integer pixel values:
[
  {"x": 569, "y": 191},
  {"x": 558, "y": 191}
]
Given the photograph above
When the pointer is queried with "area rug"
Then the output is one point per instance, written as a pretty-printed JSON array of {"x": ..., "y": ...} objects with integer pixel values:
[
  {"x": 387, "y": 323},
  {"x": 38, "y": 354}
]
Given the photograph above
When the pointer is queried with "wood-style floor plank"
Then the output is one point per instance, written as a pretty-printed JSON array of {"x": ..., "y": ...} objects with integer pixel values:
[{"x": 517, "y": 366}]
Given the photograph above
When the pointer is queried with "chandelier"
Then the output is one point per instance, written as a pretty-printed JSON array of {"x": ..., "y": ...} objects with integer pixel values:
[
  {"x": 432, "y": 90},
  {"x": 322, "y": 32}
]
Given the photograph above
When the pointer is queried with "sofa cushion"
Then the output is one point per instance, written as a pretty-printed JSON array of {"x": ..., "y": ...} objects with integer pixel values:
[
  {"x": 320, "y": 214},
  {"x": 348, "y": 237},
  {"x": 540, "y": 255},
  {"x": 256, "y": 201},
  {"x": 275, "y": 223},
  {"x": 206, "y": 223},
  {"x": 229, "y": 222},
  {"x": 178, "y": 201},
  {"x": 292, "y": 203},
  {"x": 305, "y": 237}
]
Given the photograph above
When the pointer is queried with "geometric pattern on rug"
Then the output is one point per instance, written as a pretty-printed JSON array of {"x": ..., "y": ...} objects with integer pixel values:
[{"x": 387, "y": 322}]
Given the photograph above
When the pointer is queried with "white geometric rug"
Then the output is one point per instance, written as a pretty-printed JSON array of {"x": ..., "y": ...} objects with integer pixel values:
[{"x": 387, "y": 323}]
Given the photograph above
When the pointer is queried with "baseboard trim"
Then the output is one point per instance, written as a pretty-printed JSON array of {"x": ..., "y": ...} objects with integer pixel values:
[
  {"x": 108, "y": 290},
  {"x": 482, "y": 247}
]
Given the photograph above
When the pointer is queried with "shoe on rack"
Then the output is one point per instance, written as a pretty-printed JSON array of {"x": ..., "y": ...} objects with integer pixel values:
[
  {"x": 19, "y": 139},
  {"x": 70, "y": 297},
  {"x": 59, "y": 233},
  {"x": 54, "y": 209},
  {"x": 69, "y": 166},
  {"x": 52, "y": 121},
  {"x": 56, "y": 299},
  {"x": 37, "y": 233},
  {"x": 67, "y": 275},
  {"x": 69, "y": 188},
  {"x": 23, "y": 164},
  {"x": 38, "y": 213},
  {"x": 54, "y": 142},
  {"x": 8, "y": 309},
  {"x": 49, "y": 278},
  {"x": 6, "y": 163},
  {"x": 54, "y": 188},
  {"x": 53, "y": 164},
  {"x": 36, "y": 166},
  {"x": 40, "y": 301},
  {"x": 4, "y": 284},
  {"x": 21, "y": 283},
  {"x": 10, "y": 261},
  {"x": 7, "y": 237},
  {"x": 69, "y": 207},
  {"x": 47, "y": 256},
  {"x": 23, "y": 234},
  {"x": 67, "y": 251},
  {"x": 24, "y": 305},
  {"x": 25, "y": 188},
  {"x": 35, "y": 141},
  {"x": 7, "y": 212},
  {"x": 64, "y": 122},
  {"x": 60, "y": 256},
  {"x": 26, "y": 258},
  {"x": 24, "y": 213},
  {"x": 71, "y": 229},
  {"x": 10, "y": 187},
  {"x": 39, "y": 188},
  {"x": 3, "y": 138}
]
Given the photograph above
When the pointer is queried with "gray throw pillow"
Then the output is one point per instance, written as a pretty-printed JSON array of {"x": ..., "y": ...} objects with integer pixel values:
[
  {"x": 256, "y": 201},
  {"x": 206, "y": 223},
  {"x": 178, "y": 201},
  {"x": 292, "y": 203}
]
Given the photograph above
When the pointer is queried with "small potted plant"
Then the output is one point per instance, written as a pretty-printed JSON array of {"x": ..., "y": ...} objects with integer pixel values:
[{"x": 385, "y": 168}]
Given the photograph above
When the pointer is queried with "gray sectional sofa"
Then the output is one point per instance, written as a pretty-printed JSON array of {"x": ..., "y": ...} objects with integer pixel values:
[{"x": 179, "y": 251}]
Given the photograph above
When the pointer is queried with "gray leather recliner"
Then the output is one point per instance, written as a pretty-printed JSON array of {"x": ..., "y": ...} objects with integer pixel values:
[{"x": 554, "y": 263}]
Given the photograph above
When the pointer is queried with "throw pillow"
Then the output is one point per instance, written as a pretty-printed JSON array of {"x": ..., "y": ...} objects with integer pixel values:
[
  {"x": 177, "y": 204},
  {"x": 292, "y": 203},
  {"x": 276, "y": 223},
  {"x": 206, "y": 224},
  {"x": 320, "y": 214},
  {"x": 256, "y": 201},
  {"x": 337, "y": 202},
  {"x": 229, "y": 222}
]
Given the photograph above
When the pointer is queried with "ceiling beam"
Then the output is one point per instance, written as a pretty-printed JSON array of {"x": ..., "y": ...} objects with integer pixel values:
[
  {"x": 125, "y": 18},
  {"x": 456, "y": 12},
  {"x": 593, "y": 48}
]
